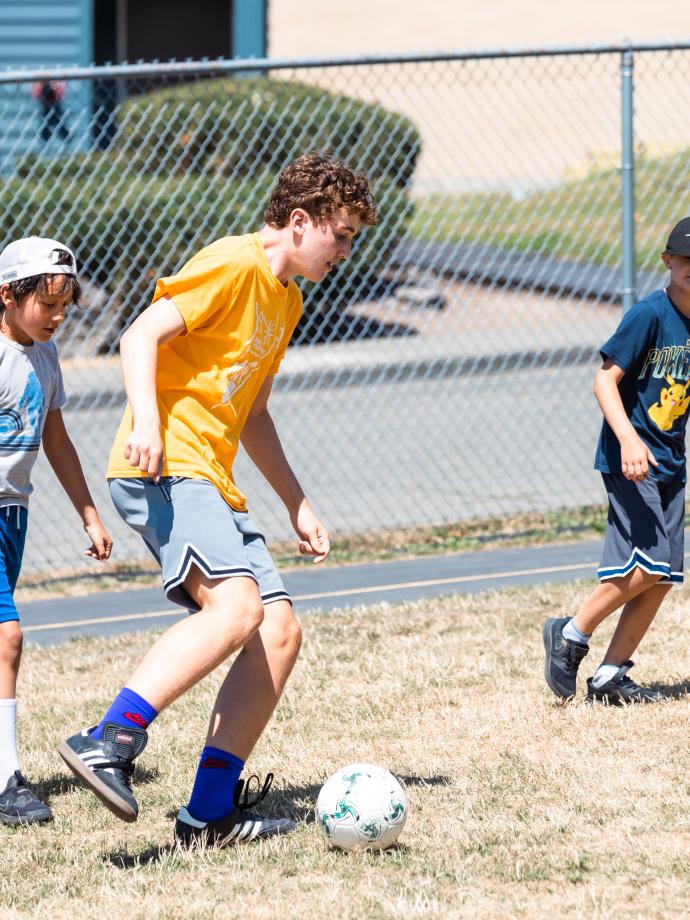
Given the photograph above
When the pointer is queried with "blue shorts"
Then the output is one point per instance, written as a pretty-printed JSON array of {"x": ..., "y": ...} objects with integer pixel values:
[
  {"x": 13, "y": 521},
  {"x": 645, "y": 528},
  {"x": 187, "y": 522}
]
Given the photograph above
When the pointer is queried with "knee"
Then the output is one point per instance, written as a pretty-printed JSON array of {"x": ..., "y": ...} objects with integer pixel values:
[
  {"x": 11, "y": 641},
  {"x": 285, "y": 634},
  {"x": 237, "y": 614},
  {"x": 243, "y": 621}
]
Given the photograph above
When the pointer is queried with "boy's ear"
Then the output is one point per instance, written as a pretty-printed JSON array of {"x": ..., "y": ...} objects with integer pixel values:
[
  {"x": 666, "y": 259},
  {"x": 299, "y": 220},
  {"x": 7, "y": 300}
]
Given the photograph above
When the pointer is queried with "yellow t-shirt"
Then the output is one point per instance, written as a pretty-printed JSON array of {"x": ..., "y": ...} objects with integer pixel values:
[{"x": 239, "y": 321}]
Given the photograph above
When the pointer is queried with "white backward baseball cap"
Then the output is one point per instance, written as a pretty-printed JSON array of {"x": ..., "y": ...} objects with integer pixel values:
[{"x": 35, "y": 255}]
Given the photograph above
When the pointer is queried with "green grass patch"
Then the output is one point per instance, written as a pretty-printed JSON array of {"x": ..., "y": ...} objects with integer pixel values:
[{"x": 579, "y": 219}]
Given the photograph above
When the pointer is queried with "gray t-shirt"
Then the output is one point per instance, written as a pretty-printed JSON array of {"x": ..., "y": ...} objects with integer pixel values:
[{"x": 30, "y": 388}]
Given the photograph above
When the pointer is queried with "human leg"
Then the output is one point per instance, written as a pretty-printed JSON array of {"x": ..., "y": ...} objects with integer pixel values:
[
  {"x": 245, "y": 703},
  {"x": 18, "y": 805},
  {"x": 636, "y": 556},
  {"x": 207, "y": 567},
  {"x": 635, "y": 619},
  {"x": 609, "y": 596},
  {"x": 253, "y": 685},
  {"x": 230, "y": 612},
  {"x": 611, "y": 681}
]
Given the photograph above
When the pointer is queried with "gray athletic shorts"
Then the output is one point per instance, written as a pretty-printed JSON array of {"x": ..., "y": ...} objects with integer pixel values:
[
  {"x": 187, "y": 522},
  {"x": 645, "y": 528}
]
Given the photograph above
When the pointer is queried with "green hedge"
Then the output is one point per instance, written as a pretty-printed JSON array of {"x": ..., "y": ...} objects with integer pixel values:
[
  {"x": 133, "y": 213},
  {"x": 128, "y": 230},
  {"x": 243, "y": 126}
]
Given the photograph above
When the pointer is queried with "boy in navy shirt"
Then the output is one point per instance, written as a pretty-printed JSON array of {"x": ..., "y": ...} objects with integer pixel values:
[{"x": 643, "y": 389}]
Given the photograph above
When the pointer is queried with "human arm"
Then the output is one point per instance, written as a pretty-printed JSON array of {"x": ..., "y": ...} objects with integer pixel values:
[
  {"x": 635, "y": 455},
  {"x": 260, "y": 439},
  {"x": 139, "y": 356},
  {"x": 64, "y": 460}
]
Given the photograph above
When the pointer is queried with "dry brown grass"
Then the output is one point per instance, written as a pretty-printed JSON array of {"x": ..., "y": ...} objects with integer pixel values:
[{"x": 519, "y": 807}]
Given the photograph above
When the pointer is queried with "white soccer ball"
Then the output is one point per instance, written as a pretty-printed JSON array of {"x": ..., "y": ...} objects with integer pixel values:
[{"x": 361, "y": 807}]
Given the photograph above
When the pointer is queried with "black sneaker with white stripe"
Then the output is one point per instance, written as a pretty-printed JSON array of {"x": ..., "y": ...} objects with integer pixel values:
[
  {"x": 240, "y": 826},
  {"x": 19, "y": 805},
  {"x": 621, "y": 689},
  {"x": 105, "y": 765}
]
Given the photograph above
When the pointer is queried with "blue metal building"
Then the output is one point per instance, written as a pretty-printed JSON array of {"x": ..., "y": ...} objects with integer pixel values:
[{"x": 64, "y": 33}]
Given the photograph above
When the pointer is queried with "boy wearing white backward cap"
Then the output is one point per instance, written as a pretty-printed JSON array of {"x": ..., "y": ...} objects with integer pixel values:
[{"x": 38, "y": 281}]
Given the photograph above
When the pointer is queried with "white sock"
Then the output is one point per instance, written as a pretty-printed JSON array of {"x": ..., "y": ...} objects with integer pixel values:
[
  {"x": 604, "y": 673},
  {"x": 571, "y": 632},
  {"x": 9, "y": 762}
]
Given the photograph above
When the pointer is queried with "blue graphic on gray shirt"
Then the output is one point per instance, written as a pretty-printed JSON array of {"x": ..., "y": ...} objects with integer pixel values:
[{"x": 20, "y": 428}]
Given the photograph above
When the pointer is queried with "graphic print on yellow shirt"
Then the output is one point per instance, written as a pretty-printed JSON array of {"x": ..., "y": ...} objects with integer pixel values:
[
  {"x": 239, "y": 320},
  {"x": 672, "y": 404}
]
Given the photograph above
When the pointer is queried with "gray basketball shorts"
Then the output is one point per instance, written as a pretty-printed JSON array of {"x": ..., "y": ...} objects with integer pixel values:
[
  {"x": 645, "y": 528},
  {"x": 187, "y": 522}
]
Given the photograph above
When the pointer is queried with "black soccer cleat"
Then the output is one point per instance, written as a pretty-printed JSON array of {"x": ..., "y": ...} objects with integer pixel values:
[
  {"x": 239, "y": 826},
  {"x": 621, "y": 689},
  {"x": 19, "y": 805},
  {"x": 563, "y": 658},
  {"x": 105, "y": 765}
]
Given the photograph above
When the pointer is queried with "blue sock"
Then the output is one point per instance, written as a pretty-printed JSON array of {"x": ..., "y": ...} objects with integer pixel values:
[
  {"x": 214, "y": 786},
  {"x": 127, "y": 709}
]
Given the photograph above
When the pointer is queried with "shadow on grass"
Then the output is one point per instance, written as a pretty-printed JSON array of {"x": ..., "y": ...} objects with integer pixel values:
[
  {"x": 122, "y": 859},
  {"x": 425, "y": 780},
  {"x": 62, "y": 783},
  {"x": 674, "y": 691}
]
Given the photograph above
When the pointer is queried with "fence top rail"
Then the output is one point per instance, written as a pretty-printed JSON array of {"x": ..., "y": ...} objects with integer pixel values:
[{"x": 245, "y": 65}]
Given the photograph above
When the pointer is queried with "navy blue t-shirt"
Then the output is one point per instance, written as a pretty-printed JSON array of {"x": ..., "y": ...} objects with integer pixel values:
[{"x": 652, "y": 346}]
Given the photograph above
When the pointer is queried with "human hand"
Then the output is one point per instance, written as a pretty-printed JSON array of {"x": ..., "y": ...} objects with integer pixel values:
[
  {"x": 144, "y": 448},
  {"x": 314, "y": 540},
  {"x": 636, "y": 458},
  {"x": 101, "y": 542}
]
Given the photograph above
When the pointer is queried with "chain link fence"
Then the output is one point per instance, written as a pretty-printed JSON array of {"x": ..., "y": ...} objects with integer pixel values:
[{"x": 445, "y": 372}]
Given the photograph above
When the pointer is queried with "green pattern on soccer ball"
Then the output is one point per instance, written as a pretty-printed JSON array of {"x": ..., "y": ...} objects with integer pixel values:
[
  {"x": 344, "y": 809},
  {"x": 372, "y": 829},
  {"x": 397, "y": 810}
]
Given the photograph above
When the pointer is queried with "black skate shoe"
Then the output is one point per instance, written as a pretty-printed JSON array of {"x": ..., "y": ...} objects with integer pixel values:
[
  {"x": 621, "y": 689},
  {"x": 239, "y": 826},
  {"x": 563, "y": 658},
  {"x": 18, "y": 804},
  {"x": 104, "y": 765}
]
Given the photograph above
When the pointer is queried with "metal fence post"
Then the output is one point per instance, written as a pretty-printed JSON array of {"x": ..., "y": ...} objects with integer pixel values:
[{"x": 627, "y": 177}]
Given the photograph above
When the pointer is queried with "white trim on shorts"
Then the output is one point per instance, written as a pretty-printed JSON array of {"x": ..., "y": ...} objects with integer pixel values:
[{"x": 640, "y": 559}]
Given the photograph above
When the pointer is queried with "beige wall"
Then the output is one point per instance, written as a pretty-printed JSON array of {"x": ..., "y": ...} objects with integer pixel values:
[
  {"x": 343, "y": 27},
  {"x": 511, "y": 126}
]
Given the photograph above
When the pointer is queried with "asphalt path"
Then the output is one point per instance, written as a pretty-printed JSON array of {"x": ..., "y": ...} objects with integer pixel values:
[{"x": 324, "y": 588}]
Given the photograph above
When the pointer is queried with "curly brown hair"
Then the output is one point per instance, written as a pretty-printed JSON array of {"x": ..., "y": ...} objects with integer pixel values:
[{"x": 321, "y": 184}]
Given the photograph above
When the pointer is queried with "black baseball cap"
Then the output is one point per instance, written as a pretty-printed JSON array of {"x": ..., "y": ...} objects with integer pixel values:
[{"x": 679, "y": 240}]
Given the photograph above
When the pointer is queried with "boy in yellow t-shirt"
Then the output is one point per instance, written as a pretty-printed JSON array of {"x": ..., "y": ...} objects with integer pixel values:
[{"x": 198, "y": 366}]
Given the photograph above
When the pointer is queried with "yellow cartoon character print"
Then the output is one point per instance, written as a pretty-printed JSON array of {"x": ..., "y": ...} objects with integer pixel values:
[{"x": 672, "y": 404}]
